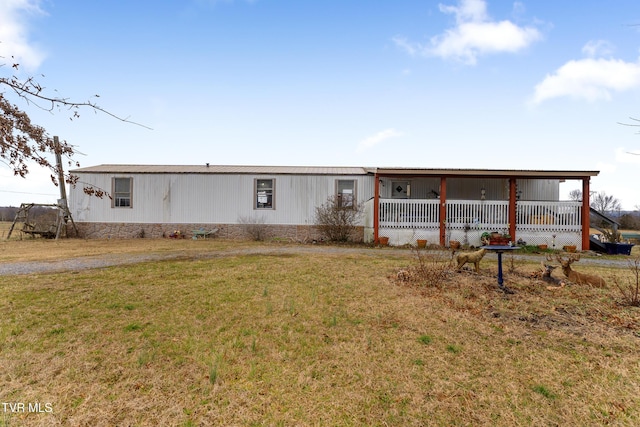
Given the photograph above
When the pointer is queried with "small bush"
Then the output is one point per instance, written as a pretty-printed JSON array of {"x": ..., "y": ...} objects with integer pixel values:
[
  {"x": 631, "y": 291},
  {"x": 336, "y": 222},
  {"x": 533, "y": 249},
  {"x": 428, "y": 269},
  {"x": 254, "y": 227},
  {"x": 512, "y": 264}
]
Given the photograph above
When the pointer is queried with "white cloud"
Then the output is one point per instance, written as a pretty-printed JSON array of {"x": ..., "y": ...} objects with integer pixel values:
[
  {"x": 518, "y": 9},
  {"x": 14, "y": 41},
  {"x": 468, "y": 10},
  {"x": 475, "y": 34},
  {"x": 411, "y": 48},
  {"x": 595, "y": 48},
  {"x": 590, "y": 79},
  {"x": 378, "y": 138}
]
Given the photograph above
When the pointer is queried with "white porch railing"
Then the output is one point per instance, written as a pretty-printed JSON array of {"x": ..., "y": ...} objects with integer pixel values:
[
  {"x": 485, "y": 214},
  {"x": 409, "y": 213},
  {"x": 549, "y": 216},
  {"x": 555, "y": 223},
  {"x": 413, "y": 213}
]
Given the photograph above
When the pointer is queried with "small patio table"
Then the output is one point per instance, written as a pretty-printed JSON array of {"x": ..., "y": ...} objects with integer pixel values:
[{"x": 500, "y": 249}]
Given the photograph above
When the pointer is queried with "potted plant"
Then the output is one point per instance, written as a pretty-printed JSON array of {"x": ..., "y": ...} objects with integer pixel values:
[
  {"x": 485, "y": 238},
  {"x": 496, "y": 239}
]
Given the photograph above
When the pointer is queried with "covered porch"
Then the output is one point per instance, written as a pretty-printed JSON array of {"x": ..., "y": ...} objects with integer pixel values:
[{"x": 443, "y": 205}]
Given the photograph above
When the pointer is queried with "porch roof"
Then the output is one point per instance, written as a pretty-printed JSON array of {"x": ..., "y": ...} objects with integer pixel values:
[{"x": 487, "y": 173}]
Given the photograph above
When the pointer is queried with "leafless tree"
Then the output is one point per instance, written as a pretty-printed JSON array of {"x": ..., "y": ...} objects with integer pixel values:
[
  {"x": 604, "y": 203},
  {"x": 575, "y": 195}
]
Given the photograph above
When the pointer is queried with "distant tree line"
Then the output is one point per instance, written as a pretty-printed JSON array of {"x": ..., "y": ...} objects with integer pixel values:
[
  {"x": 630, "y": 221},
  {"x": 8, "y": 213},
  {"x": 610, "y": 206}
]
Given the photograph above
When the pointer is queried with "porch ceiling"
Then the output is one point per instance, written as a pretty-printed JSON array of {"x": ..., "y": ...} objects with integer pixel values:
[{"x": 486, "y": 173}]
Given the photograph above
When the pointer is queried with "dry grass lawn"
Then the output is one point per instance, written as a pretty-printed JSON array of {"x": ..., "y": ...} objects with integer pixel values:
[{"x": 307, "y": 339}]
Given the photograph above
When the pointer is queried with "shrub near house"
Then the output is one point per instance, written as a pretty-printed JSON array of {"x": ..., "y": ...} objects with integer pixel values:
[{"x": 337, "y": 219}]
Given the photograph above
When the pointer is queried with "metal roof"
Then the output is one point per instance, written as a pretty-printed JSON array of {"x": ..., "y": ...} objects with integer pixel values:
[
  {"x": 227, "y": 169},
  {"x": 333, "y": 170}
]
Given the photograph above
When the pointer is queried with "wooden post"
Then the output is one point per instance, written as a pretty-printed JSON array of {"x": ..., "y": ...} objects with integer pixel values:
[
  {"x": 376, "y": 208},
  {"x": 63, "y": 206},
  {"x": 61, "y": 183},
  {"x": 512, "y": 208},
  {"x": 443, "y": 211},
  {"x": 586, "y": 214}
]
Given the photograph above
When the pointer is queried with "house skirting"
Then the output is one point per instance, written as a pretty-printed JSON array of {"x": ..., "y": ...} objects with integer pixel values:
[
  {"x": 555, "y": 240},
  {"x": 109, "y": 230}
]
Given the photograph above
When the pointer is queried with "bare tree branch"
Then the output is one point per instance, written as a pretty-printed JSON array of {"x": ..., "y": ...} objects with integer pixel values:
[
  {"x": 632, "y": 125},
  {"x": 30, "y": 90},
  {"x": 23, "y": 142}
]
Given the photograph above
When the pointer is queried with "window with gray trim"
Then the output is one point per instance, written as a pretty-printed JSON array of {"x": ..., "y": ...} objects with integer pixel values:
[
  {"x": 122, "y": 189},
  {"x": 264, "y": 193},
  {"x": 346, "y": 192}
]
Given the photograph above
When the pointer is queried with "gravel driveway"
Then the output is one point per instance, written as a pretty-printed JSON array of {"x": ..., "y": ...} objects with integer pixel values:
[{"x": 109, "y": 260}]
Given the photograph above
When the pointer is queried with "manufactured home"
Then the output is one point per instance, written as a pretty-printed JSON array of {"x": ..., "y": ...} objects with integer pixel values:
[{"x": 402, "y": 204}]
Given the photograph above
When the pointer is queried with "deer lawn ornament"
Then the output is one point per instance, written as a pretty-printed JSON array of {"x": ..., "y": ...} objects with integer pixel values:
[{"x": 576, "y": 277}]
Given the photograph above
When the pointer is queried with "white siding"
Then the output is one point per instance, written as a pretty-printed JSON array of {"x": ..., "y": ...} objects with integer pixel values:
[
  {"x": 209, "y": 198},
  {"x": 470, "y": 188},
  {"x": 539, "y": 189}
]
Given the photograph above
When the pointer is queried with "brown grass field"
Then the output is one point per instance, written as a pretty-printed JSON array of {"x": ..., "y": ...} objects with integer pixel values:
[{"x": 219, "y": 337}]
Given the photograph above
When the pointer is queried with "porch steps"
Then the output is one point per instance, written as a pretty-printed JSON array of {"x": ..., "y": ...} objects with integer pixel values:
[
  {"x": 596, "y": 245},
  {"x": 597, "y": 221}
]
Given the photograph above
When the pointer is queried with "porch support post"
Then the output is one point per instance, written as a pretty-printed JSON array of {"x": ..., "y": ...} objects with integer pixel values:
[
  {"x": 512, "y": 208},
  {"x": 586, "y": 214},
  {"x": 443, "y": 210},
  {"x": 376, "y": 208}
]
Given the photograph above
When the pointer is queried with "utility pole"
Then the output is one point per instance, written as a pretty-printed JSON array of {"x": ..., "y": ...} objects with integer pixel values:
[
  {"x": 63, "y": 212},
  {"x": 63, "y": 190}
]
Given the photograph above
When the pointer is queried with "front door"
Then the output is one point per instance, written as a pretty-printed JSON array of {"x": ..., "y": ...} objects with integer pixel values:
[{"x": 400, "y": 189}]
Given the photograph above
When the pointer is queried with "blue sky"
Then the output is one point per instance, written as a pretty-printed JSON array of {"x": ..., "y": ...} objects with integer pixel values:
[{"x": 451, "y": 83}]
